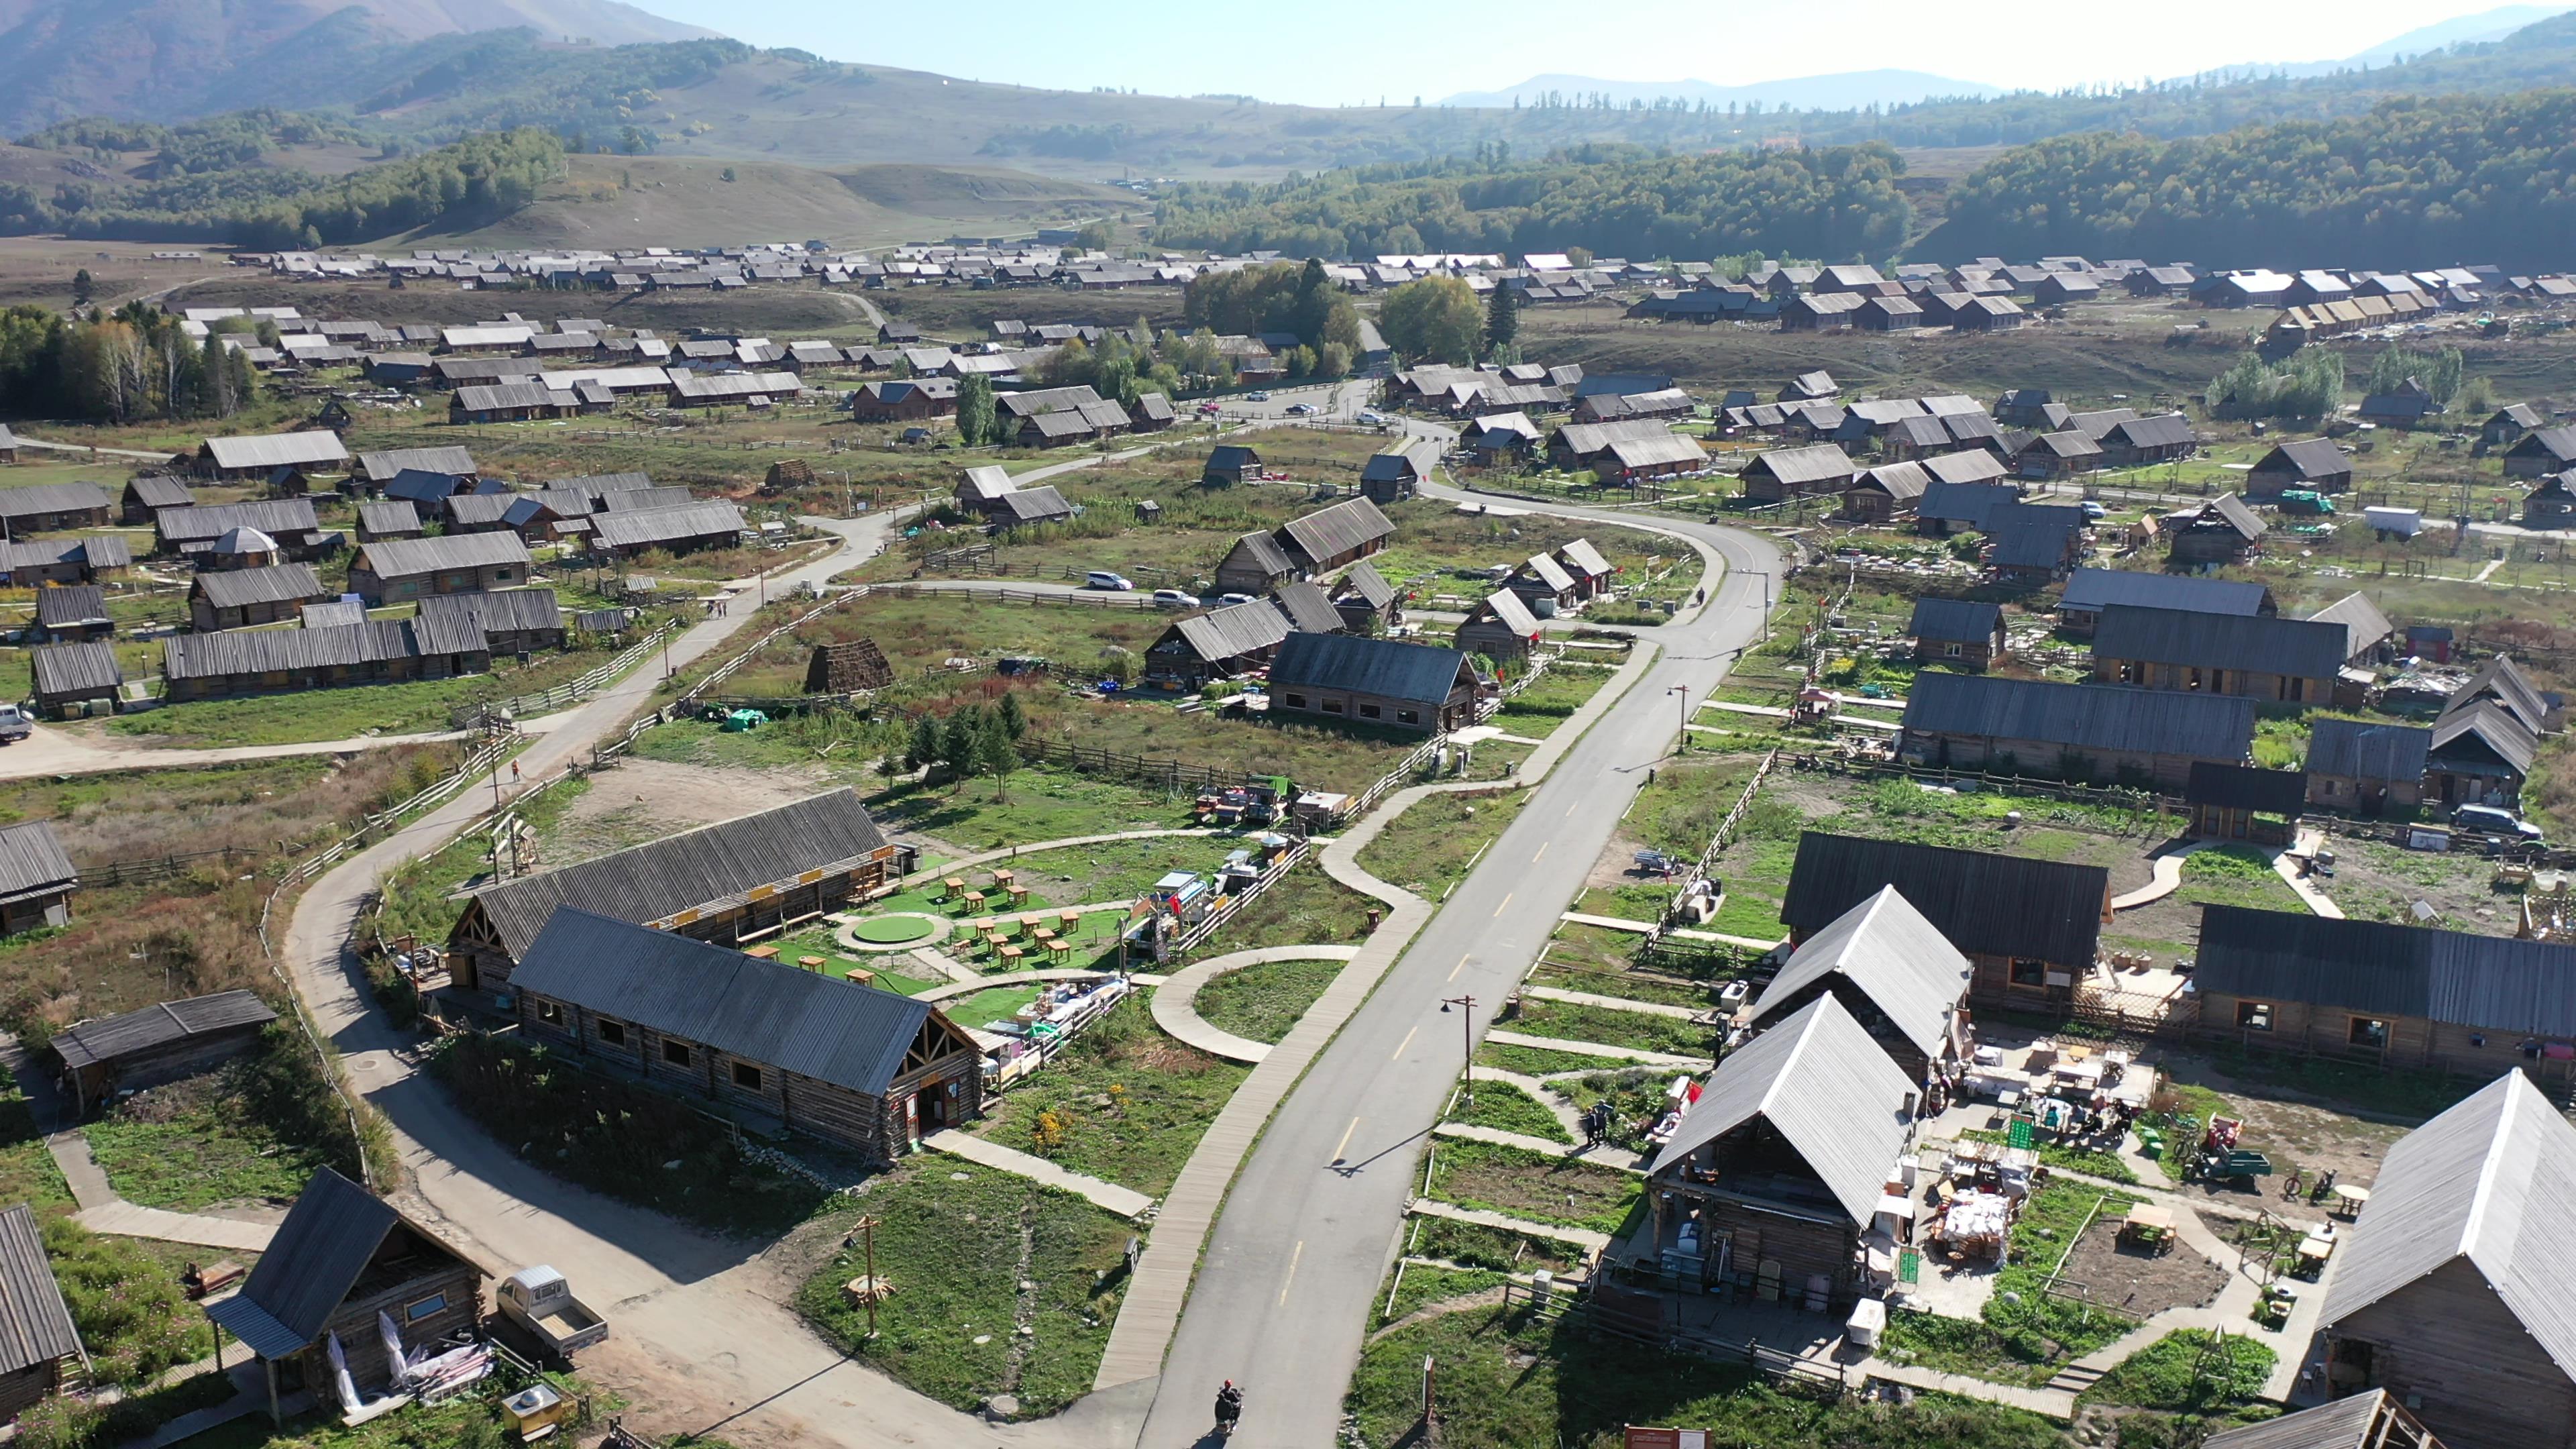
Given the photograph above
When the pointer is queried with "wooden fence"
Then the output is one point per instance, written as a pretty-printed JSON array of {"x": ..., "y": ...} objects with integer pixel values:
[
  {"x": 1720, "y": 839},
  {"x": 143, "y": 869},
  {"x": 1218, "y": 920},
  {"x": 544, "y": 701}
]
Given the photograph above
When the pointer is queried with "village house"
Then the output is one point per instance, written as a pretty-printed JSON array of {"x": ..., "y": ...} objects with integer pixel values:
[
  {"x": 8, "y": 445},
  {"x": 1947, "y": 508},
  {"x": 105, "y": 1058},
  {"x": 377, "y": 469},
  {"x": 2314, "y": 464},
  {"x": 398, "y": 570},
  {"x": 1957, "y": 632},
  {"x": 2033, "y": 544},
  {"x": 1380, "y": 682},
  {"x": 2361, "y": 767},
  {"x": 1152, "y": 413},
  {"x": 1776, "y": 1172},
  {"x": 342, "y": 1265},
  {"x": 1787, "y": 473},
  {"x": 42, "y": 1355},
  {"x": 513, "y": 621},
  {"x": 1399, "y": 472},
  {"x": 191, "y": 533},
  {"x": 239, "y": 459},
  {"x": 1628, "y": 462},
  {"x": 732, "y": 883},
  {"x": 2551, "y": 503},
  {"x": 1255, "y": 564},
  {"x": 1543, "y": 584},
  {"x": 1218, "y": 644},
  {"x": 1577, "y": 447},
  {"x": 51, "y": 507},
  {"x": 2540, "y": 452},
  {"x": 2029, "y": 955},
  {"x": 2368, "y": 637},
  {"x": 688, "y": 528},
  {"x": 267, "y": 661},
  {"x": 36, "y": 878},
  {"x": 1894, "y": 972},
  {"x": 70, "y": 614},
  {"x": 75, "y": 680},
  {"x": 1501, "y": 436},
  {"x": 2090, "y": 591},
  {"x": 1308, "y": 608},
  {"x": 1500, "y": 627},
  {"x": 145, "y": 497},
  {"x": 2135, "y": 441},
  {"x": 240, "y": 598},
  {"x": 2222, "y": 531},
  {"x": 2507, "y": 424},
  {"x": 2288, "y": 661},
  {"x": 2100, "y": 733},
  {"x": 398, "y": 518},
  {"x": 859, "y": 1066},
  {"x": 1367, "y": 603},
  {"x": 2056, "y": 455},
  {"x": 2478, "y": 753},
  {"x": 39, "y": 562},
  {"x": 2242, "y": 802},
  {"x": 904, "y": 400},
  {"x": 1229, "y": 464},
  {"x": 2451, "y": 1293},
  {"x": 1336, "y": 534}
]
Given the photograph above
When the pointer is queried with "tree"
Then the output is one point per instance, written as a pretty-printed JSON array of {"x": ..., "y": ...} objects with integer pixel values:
[
  {"x": 1014, "y": 719},
  {"x": 1333, "y": 362},
  {"x": 975, "y": 408},
  {"x": 1435, "y": 319},
  {"x": 1096, "y": 236},
  {"x": 1502, "y": 318},
  {"x": 1580, "y": 256},
  {"x": 83, "y": 288},
  {"x": 995, "y": 755},
  {"x": 961, "y": 743}
]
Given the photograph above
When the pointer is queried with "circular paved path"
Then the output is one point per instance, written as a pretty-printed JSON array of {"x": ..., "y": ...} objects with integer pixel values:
[{"x": 1176, "y": 1000}]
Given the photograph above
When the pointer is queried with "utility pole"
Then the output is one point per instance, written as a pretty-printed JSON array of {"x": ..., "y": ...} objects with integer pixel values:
[
  {"x": 876, "y": 1289},
  {"x": 1466, "y": 1037},
  {"x": 1682, "y": 746}
]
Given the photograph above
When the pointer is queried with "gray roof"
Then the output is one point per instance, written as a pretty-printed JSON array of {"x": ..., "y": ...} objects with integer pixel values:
[
  {"x": 309, "y": 1267},
  {"x": 1580, "y": 557},
  {"x": 2503, "y": 681},
  {"x": 232, "y": 652},
  {"x": 1232, "y": 458},
  {"x": 1368, "y": 584},
  {"x": 160, "y": 490},
  {"x": 2246, "y": 787},
  {"x": 1262, "y": 552},
  {"x": 68, "y": 604},
  {"x": 2367, "y": 750},
  {"x": 1902, "y": 481},
  {"x": 278, "y": 450},
  {"x": 1032, "y": 505},
  {"x": 1826, "y": 1088},
  {"x": 235, "y": 588},
  {"x": 108, "y": 1038},
  {"x": 2492, "y": 1181},
  {"x": 1956, "y": 621},
  {"x": 1233, "y": 631},
  {"x": 602, "y": 484},
  {"x": 640, "y": 500},
  {"x": 1307, "y": 609},
  {"x": 103, "y": 551},
  {"x": 1898, "y": 959},
  {"x": 2306, "y": 458},
  {"x": 2085, "y": 716},
  {"x": 663, "y": 877},
  {"x": 761, "y": 1011},
  {"x": 392, "y": 558},
  {"x": 1406, "y": 461},
  {"x": 2161, "y": 431},
  {"x": 2056, "y": 910},
  {"x": 380, "y": 467},
  {"x": 2296, "y": 647},
  {"x": 1587, "y": 439},
  {"x": 1350, "y": 524},
  {"x": 37, "y": 498},
  {"x": 419, "y": 485},
  {"x": 2364, "y": 626},
  {"x": 32, "y": 861},
  {"x": 1417, "y": 673},
  {"x": 1548, "y": 572},
  {"x": 1966, "y": 502},
  {"x": 2337, "y": 1424},
  {"x": 2095, "y": 589},
  {"x": 331, "y": 613},
  {"x": 1805, "y": 465},
  {"x": 1507, "y": 609},
  {"x": 206, "y": 522},
  {"x": 35, "y": 1323},
  {"x": 468, "y": 509},
  {"x": 659, "y": 525},
  {"x": 2379, "y": 968},
  {"x": 2491, "y": 723},
  {"x": 66, "y": 670},
  {"x": 394, "y": 516},
  {"x": 494, "y": 610}
]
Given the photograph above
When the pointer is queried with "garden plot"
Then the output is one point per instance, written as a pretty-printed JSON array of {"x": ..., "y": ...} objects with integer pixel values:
[
  {"x": 1122, "y": 1103},
  {"x": 2135, "y": 1280},
  {"x": 643, "y": 800}
]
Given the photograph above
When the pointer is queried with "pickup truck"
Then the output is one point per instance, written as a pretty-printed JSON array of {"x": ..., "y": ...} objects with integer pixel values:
[
  {"x": 15, "y": 723},
  {"x": 540, "y": 1301}
]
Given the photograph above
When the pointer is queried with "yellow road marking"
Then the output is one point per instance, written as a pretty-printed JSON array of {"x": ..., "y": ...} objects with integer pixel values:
[
  {"x": 1507, "y": 900},
  {"x": 1346, "y": 1139},
  {"x": 1400, "y": 1046},
  {"x": 1298, "y": 1252}
]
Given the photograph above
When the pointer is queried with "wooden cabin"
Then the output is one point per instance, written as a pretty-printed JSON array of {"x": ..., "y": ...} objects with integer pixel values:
[
  {"x": 2272, "y": 660},
  {"x": 143, "y": 1049},
  {"x": 2031, "y": 954},
  {"x": 1897, "y": 976},
  {"x": 1959, "y": 633},
  {"x": 2109, "y": 736},
  {"x": 36, "y": 878},
  {"x": 1345, "y": 678},
  {"x": 40, "y": 1348},
  {"x": 2232, "y": 802}
]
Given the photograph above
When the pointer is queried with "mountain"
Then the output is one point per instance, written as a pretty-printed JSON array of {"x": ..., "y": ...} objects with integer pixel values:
[
  {"x": 1844, "y": 91},
  {"x": 2475, "y": 29}
]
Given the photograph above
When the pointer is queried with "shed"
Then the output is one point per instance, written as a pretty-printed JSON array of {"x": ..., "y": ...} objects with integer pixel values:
[
  {"x": 512, "y": 621},
  {"x": 110, "y": 1055},
  {"x": 40, "y": 1348},
  {"x": 36, "y": 878},
  {"x": 75, "y": 679},
  {"x": 2313, "y": 463},
  {"x": 1217, "y": 644},
  {"x": 1367, "y": 603},
  {"x": 2362, "y": 767},
  {"x": 71, "y": 613},
  {"x": 1500, "y": 627},
  {"x": 145, "y": 497},
  {"x": 1230, "y": 463},
  {"x": 1958, "y": 631},
  {"x": 2225, "y": 801}
]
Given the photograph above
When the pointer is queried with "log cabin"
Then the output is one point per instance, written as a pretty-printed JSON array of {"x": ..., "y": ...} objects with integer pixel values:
[
  {"x": 2101, "y": 733},
  {"x": 2090, "y": 591},
  {"x": 1348, "y": 679},
  {"x": 1958, "y": 632},
  {"x": 1892, "y": 969},
  {"x": 2272, "y": 660},
  {"x": 2029, "y": 955},
  {"x": 36, "y": 878},
  {"x": 865, "y": 1068},
  {"x": 159, "y": 1044},
  {"x": 40, "y": 1348}
]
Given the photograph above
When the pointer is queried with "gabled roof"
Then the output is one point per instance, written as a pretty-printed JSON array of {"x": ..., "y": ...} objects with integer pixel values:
[
  {"x": 2346, "y": 1423},
  {"x": 1366, "y": 583},
  {"x": 836, "y": 1032},
  {"x": 1826, "y": 1088},
  {"x": 1893, "y": 955},
  {"x": 1409, "y": 462},
  {"x": 2296, "y": 647},
  {"x": 1548, "y": 572},
  {"x": 1350, "y": 524},
  {"x": 2230, "y": 512},
  {"x": 2380, "y": 968},
  {"x": 1306, "y": 608},
  {"x": 390, "y": 517},
  {"x": 2364, "y": 626},
  {"x": 2162, "y": 431},
  {"x": 1812, "y": 464},
  {"x": 32, "y": 861},
  {"x": 1234, "y": 631},
  {"x": 310, "y": 1266},
  {"x": 277, "y": 450},
  {"x": 66, "y": 605},
  {"x": 621, "y": 528},
  {"x": 1984, "y": 904},
  {"x": 1263, "y": 552},
  {"x": 160, "y": 490},
  {"x": 1506, "y": 609},
  {"x": 2557, "y": 444},
  {"x": 35, "y": 1324},
  {"x": 2494, "y": 726},
  {"x": 2367, "y": 749},
  {"x": 1955, "y": 621},
  {"x": 1415, "y": 673},
  {"x": 2096, "y": 589},
  {"x": 494, "y": 611},
  {"x": 382, "y": 466},
  {"x": 677, "y": 872},
  {"x": 35, "y": 498},
  {"x": 70, "y": 669},
  {"x": 2245, "y": 787},
  {"x": 2084, "y": 716},
  {"x": 2306, "y": 458},
  {"x": 1967, "y": 503},
  {"x": 236, "y": 588},
  {"x": 1580, "y": 557},
  {"x": 1031, "y": 505},
  {"x": 2503, "y": 681},
  {"x": 2492, "y": 1181},
  {"x": 111, "y": 1037},
  {"x": 392, "y": 558}
]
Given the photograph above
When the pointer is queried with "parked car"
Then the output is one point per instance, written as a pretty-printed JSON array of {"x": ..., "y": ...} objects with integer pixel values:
[
  {"x": 1371, "y": 416},
  {"x": 1104, "y": 579},
  {"x": 2489, "y": 820},
  {"x": 1299, "y": 410},
  {"x": 2093, "y": 509},
  {"x": 1174, "y": 599},
  {"x": 541, "y": 1301},
  {"x": 1234, "y": 598},
  {"x": 15, "y": 723},
  {"x": 1256, "y": 396}
]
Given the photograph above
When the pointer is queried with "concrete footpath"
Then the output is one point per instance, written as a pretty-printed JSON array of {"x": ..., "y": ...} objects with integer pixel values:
[
  {"x": 1127, "y": 1202},
  {"x": 1176, "y": 1000}
]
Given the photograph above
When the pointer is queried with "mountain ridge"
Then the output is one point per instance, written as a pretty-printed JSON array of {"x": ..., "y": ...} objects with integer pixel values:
[{"x": 1838, "y": 91}]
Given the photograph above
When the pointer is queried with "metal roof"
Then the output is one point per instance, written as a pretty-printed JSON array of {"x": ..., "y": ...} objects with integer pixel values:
[
  {"x": 1367, "y": 584},
  {"x": 602, "y": 484},
  {"x": 1231, "y": 458},
  {"x": 760, "y": 1011},
  {"x": 626, "y": 529},
  {"x": 1507, "y": 610},
  {"x": 68, "y": 604},
  {"x": 675, "y": 873},
  {"x": 1967, "y": 502},
  {"x": 278, "y": 450},
  {"x": 232, "y": 652},
  {"x": 494, "y": 611},
  {"x": 1587, "y": 439},
  {"x": 333, "y": 612},
  {"x": 395, "y": 516},
  {"x": 2492, "y": 1181},
  {"x": 1349, "y": 525},
  {"x": 1307, "y": 609},
  {"x": 35, "y": 1323},
  {"x": 236, "y": 588},
  {"x": 2491, "y": 724},
  {"x": 1041, "y": 504},
  {"x": 381, "y": 466},
  {"x": 2246, "y": 787},
  {"x": 1823, "y": 1085},
  {"x": 1412, "y": 460},
  {"x": 1580, "y": 557},
  {"x": 2085, "y": 716},
  {"x": 63, "y": 670},
  {"x": 1233, "y": 631},
  {"x": 2250, "y": 642},
  {"x": 2095, "y": 589},
  {"x": 422, "y": 486},
  {"x": 160, "y": 490},
  {"x": 2055, "y": 909},
  {"x": 1263, "y": 553},
  {"x": 1417, "y": 673},
  {"x": 1896, "y": 957},
  {"x": 40, "y": 498},
  {"x": 1804, "y": 465},
  {"x": 2502, "y": 680},
  {"x": 1956, "y": 621},
  {"x": 1655, "y": 452},
  {"x": 2368, "y": 750},
  {"x": 278, "y": 517},
  {"x": 32, "y": 861},
  {"x": 308, "y": 1269},
  {"x": 2349, "y": 1423},
  {"x": 1548, "y": 572},
  {"x": 2306, "y": 458},
  {"x": 2364, "y": 626},
  {"x": 111, "y": 1037},
  {"x": 466, "y": 510},
  {"x": 393, "y": 558},
  {"x": 2499, "y": 983}
]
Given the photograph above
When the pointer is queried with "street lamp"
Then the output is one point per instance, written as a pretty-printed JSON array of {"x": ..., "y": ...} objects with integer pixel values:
[
  {"x": 1466, "y": 1036},
  {"x": 1684, "y": 691}
]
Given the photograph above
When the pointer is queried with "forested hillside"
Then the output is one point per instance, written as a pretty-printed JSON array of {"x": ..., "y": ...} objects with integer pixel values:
[
  {"x": 2412, "y": 182},
  {"x": 1839, "y": 203}
]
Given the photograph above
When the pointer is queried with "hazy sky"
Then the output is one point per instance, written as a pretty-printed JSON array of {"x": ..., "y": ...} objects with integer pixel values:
[{"x": 1325, "y": 52}]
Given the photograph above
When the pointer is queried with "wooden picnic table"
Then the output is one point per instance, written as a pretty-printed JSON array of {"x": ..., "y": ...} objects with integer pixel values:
[
  {"x": 812, "y": 963},
  {"x": 1031, "y": 921},
  {"x": 1072, "y": 919},
  {"x": 955, "y": 883},
  {"x": 975, "y": 900},
  {"x": 1019, "y": 895},
  {"x": 1060, "y": 948},
  {"x": 1003, "y": 877},
  {"x": 1044, "y": 934},
  {"x": 765, "y": 953},
  {"x": 2150, "y": 1216},
  {"x": 1012, "y": 953}
]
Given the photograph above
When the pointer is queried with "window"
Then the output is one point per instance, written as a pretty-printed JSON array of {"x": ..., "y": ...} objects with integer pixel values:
[
  {"x": 2367, "y": 1031},
  {"x": 1949, "y": 651},
  {"x": 746, "y": 1075},
  {"x": 675, "y": 1052},
  {"x": 550, "y": 1013},
  {"x": 1408, "y": 716},
  {"x": 1294, "y": 701},
  {"x": 613, "y": 1033},
  {"x": 1370, "y": 711},
  {"x": 2254, "y": 1015},
  {"x": 415, "y": 1312},
  {"x": 1337, "y": 706},
  {"x": 2026, "y": 972}
]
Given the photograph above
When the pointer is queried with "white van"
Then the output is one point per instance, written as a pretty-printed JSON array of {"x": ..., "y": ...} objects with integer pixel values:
[{"x": 1104, "y": 579}]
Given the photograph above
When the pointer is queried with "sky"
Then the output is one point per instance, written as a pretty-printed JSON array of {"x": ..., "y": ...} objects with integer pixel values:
[{"x": 1330, "y": 52}]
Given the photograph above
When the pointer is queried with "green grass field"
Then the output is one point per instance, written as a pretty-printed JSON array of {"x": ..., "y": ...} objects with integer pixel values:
[{"x": 1260, "y": 1003}]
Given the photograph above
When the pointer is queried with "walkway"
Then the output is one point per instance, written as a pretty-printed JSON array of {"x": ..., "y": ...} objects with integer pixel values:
[
  {"x": 1176, "y": 1000},
  {"x": 101, "y": 1210},
  {"x": 1585, "y": 1238},
  {"x": 1126, "y": 1202},
  {"x": 2317, "y": 901},
  {"x": 2166, "y": 878},
  {"x": 1613, "y": 1003},
  {"x": 1499, "y": 1037},
  {"x": 1008, "y": 978}
]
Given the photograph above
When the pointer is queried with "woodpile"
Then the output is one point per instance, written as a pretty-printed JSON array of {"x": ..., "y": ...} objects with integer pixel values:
[
  {"x": 845, "y": 668},
  {"x": 790, "y": 473}
]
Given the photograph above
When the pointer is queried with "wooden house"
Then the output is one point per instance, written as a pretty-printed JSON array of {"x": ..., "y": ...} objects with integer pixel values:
[
  {"x": 342, "y": 1264},
  {"x": 70, "y": 680},
  {"x": 8, "y": 445},
  {"x": 240, "y": 459},
  {"x": 1580, "y": 447},
  {"x": 2541, "y": 452},
  {"x": 1959, "y": 633},
  {"x": 2033, "y": 543},
  {"x": 2362, "y": 767},
  {"x": 2092, "y": 732},
  {"x": 191, "y": 533},
  {"x": 1629, "y": 462},
  {"x": 861, "y": 1067},
  {"x": 1229, "y": 464},
  {"x": 1308, "y": 609},
  {"x": 735, "y": 882},
  {"x": 2478, "y": 753},
  {"x": 2231, "y": 802},
  {"x": 2275, "y": 660},
  {"x": 399, "y": 570},
  {"x": 106, "y": 1057},
  {"x": 394, "y": 518},
  {"x": 904, "y": 400},
  {"x": 1352, "y": 679},
  {"x": 1367, "y": 603},
  {"x": 376, "y": 470},
  {"x": 1218, "y": 644},
  {"x": 2315, "y": 464},
  {"x": 1544, "y": 585},
  {"x": 1787, "y": 473},
  {"x": 269, "y": 661},
  {"x": 241, "y": 598},
  {"x": 1254, "y": 565},
  {"x": 145, "y": 497},
  {"x": 71, "y": 614},
  {"x": 1777, "y": 1170},
  {"x": 1894, "y": 972},
  {"x": 1500, "y": 627},
  {"x": 2031, "y": 954},
  {"x": 2131, "y": 442},
  {"x": 40, "y": 1347},
  {"x": 2372, "y": 1419},
  {"x": 1948, "y": 508},
  {"x": 1336, "y": 534},
  {"x": 52, "y": 507},
  {"x": 36, "y": 879},
  {"x": 2506, "y": 425},
  {"x": 1584, "y": 564},
  {"x": 1397, "y": 473},
  {"x": 512, "y": 621},
  {"x": 2090, "y": 591}
]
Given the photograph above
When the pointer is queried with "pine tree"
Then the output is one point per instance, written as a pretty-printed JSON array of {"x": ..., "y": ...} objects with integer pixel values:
[
  {"x": 1014, "y": 719},
  {"x": 1502, "y": 319}
]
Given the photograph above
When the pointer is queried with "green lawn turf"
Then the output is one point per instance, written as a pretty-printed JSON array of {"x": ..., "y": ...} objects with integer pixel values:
[
  {"x": 1161, "y": 1096},
  {"x": 414, "y": 707},
  {"x": 1261, "y": 1002},
  {"x": 1609, "y": 1026},
  {"x": 1533, "y": 1186},
  {"x": 1427, "y": 848},
  {"x": 1507, "y": 1108},
  {"x": 196, "y": 1143}
]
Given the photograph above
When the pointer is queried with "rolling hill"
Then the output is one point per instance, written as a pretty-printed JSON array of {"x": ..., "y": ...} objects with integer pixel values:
[{"x": 1843, "y": 91}]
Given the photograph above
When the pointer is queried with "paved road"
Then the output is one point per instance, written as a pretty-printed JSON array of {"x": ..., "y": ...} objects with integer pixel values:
[{"x": 1282, "y": 1301}]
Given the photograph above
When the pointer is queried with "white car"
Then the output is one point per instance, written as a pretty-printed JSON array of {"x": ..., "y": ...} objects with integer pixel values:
[
  {"x": 1104, "y": 579},
  {"x": 1256, "y": 397},
  {"x": 1372, "y": 417},
  {"x": 1234, "y": 598},
  {"x": 1174, "y": 599}
]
